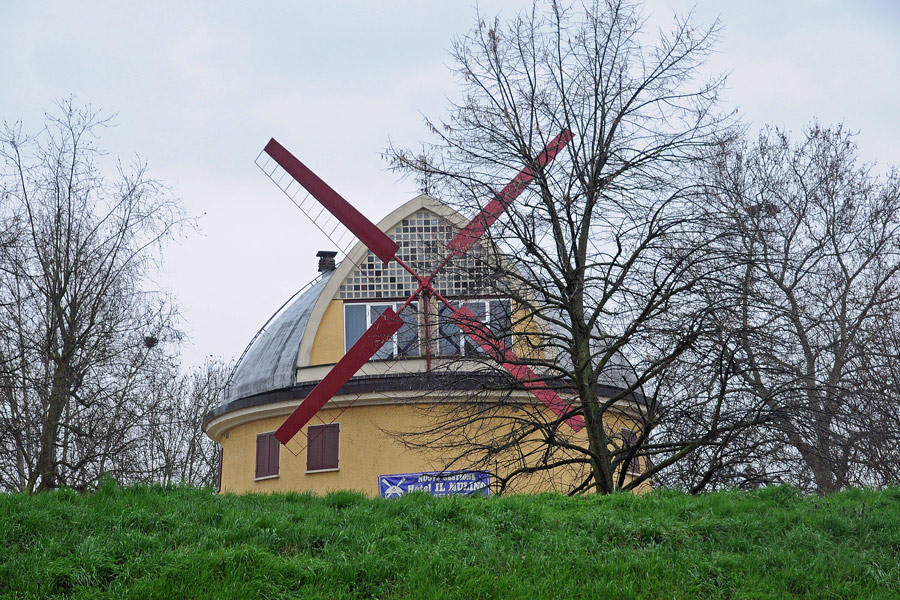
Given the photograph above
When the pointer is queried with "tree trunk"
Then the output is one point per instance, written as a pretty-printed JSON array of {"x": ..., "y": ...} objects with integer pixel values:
[{"x": 46, "y": 468}]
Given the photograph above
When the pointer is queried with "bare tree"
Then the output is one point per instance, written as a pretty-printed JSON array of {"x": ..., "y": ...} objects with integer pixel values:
[
  {"x": 175, "y": 449},
  {"x": 608, "y": 243},
  {"x": 81, "y": 330},
  {"x": 811, "y": 303}
]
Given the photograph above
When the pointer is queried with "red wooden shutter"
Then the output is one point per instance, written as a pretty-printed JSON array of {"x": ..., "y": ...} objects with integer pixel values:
[
  {"x": 332, "y": 435},
  {"x": 323, "y": 442},
  {"x": 267, "y": 448},
  {"x": 274, "y": 447},
  {"x": 314, "y": 442},
  {"x": 261, "y": 455}
]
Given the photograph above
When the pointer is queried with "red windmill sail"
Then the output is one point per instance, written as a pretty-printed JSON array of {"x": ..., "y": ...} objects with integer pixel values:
[{"x": 386, "y": 249}]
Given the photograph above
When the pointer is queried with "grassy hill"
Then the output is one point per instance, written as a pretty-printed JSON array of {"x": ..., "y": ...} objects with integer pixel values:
[{"x": 153, "y": 542}]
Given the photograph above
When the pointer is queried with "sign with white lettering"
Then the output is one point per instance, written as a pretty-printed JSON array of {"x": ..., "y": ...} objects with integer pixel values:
[{"x": 436, "y": 483}]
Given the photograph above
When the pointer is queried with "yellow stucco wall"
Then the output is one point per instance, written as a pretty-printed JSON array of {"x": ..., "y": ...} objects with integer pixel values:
[{"x": 366, "y": 450}]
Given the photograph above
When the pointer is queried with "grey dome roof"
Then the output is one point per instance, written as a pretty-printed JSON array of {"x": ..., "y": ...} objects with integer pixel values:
[{"x": 270, "y": 363}]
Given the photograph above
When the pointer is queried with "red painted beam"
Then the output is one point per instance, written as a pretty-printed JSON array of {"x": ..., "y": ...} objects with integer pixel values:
[
  {"x": 481, "y": 335},
  {"x": 389, "y": 323},
  {"x": 376, "y": 240},
  {"x": 469, "y": 234},
  {"x": 365, "y": 347}
]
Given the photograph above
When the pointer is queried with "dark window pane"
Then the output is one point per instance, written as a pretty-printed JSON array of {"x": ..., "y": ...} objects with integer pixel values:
[
  {"x": 375, "y": 311},
  {"x": 501, "y": 321},
  {"x": 448, "y": 332},
  {"x": 354, "y": 323},
  {"x": 408, "y": 335},
  {"x": 478, "y": 310}
]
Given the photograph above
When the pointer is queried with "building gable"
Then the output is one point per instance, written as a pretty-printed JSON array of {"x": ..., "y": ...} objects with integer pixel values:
[{"x": 422, "y": 228}]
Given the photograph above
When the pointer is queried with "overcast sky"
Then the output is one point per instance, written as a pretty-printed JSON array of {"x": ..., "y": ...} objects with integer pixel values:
[{"x": 198, "y": 89}]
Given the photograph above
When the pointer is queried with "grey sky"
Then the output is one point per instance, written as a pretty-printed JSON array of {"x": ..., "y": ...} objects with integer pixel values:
[{"x": 198, "y": 89}]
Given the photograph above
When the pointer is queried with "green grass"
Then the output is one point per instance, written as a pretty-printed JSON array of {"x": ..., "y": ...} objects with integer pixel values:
[{"x": 155, "y": 542}]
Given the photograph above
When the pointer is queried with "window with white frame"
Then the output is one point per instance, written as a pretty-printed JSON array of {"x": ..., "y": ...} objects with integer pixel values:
[
  {"x": 496, "y": 314},
  {"x": 359, "y": 316}
]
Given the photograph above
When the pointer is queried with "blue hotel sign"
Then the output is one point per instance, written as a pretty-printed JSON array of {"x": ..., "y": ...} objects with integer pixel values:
[{"x": 436, "y": 483}]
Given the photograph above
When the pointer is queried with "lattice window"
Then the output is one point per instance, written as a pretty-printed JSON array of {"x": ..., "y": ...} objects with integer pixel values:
[{"x": 423, "y": 240}]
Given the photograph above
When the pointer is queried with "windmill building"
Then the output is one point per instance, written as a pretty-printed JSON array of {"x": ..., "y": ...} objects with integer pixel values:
[{"x": 360, "y": 440}]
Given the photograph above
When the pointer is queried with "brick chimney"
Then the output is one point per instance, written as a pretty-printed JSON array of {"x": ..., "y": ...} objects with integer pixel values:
[{"x": 326, "y": 260}]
